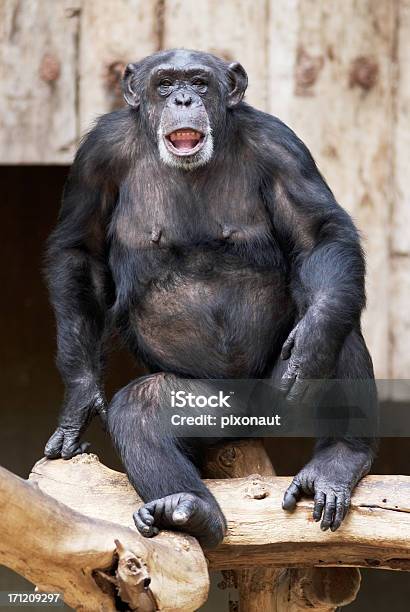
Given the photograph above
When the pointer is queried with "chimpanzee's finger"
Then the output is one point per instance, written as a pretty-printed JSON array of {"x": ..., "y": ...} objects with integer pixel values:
[
  {"x": 319, "y": 503},
  {"x": 184, "y": 510},
  {"x": 146, "y": 516},
  {"x": 292, "y": 494},
  {"x": 286, "y": 382},
  {"x": 297, "y": 391},
  {"x": 52, "y": 449},
  {"x": 338, "y": 516},
  {"x": 146, "y": 530},
  {"x": 288, "y": 345},
  {"x": 71, "y": 445},
  {"x": 82, "y": 448},
  {"x": 329, "y": 511},
  {"x": 157, "y": 508},
  {"x": 347, "y": 502},
  {"x": 342, "y": 507}
]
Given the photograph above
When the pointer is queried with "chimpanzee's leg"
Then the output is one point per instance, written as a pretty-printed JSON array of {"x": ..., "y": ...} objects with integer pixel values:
[
  {"x": 158, "y": 463},
  {"x": 338, "y": 464}
]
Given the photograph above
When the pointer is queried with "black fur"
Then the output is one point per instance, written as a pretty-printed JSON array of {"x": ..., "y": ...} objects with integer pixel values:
[{"x": 245, "y": 266}]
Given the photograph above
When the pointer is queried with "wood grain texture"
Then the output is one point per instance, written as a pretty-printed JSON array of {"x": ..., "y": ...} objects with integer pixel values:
[
  {"x": 234, "y": 30},
  {"x": 38, "y": 59},
  {"x": 64, "y": 550},
  {"x": 332, "y": 79},
  {"x": 112, "y": 34},
  {"x": 257, "y": 586},
  {"x": 274, "y": 589},
  {"x": 376, "y": 532},
  {"x": 400, "y": 237}
]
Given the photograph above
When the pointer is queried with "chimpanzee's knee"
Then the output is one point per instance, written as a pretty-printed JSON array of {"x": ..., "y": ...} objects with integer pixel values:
[
  {"x": 136, "y": 408},
  {"x": 145, "y": 394}
]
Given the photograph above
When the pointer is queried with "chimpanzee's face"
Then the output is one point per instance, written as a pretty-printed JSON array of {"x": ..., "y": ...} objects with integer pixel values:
[
  {"x": 184, "y": 96},
  {"x": 183, "y": 91}
]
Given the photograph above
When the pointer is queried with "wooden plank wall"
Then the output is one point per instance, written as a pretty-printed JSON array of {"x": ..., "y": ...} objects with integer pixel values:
[
  {"x": 335, "y": 70},
  {"x": 400, "y": 226}
]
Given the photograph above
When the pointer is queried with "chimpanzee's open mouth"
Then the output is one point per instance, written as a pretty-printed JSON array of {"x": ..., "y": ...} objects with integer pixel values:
[{"x": 185, "y": 141}]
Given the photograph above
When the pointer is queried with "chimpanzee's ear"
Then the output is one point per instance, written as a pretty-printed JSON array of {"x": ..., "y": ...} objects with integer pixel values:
[
  {"x": 238, "y": 81},
  {"x": 131, "y": 96}
]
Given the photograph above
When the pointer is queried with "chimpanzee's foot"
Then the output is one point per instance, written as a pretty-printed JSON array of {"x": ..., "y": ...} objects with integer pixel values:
[
  {"x": 330, "y": 477},
  {"x": 185, "y": 512}
]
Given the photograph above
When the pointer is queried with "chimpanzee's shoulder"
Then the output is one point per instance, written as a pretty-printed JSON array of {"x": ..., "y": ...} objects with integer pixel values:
[
  {"x": 112, "y": 128},
  {"x": 107, "y": 147},
  {"x": 259, "y": 120},
  {"x": 270, "y": 134}
]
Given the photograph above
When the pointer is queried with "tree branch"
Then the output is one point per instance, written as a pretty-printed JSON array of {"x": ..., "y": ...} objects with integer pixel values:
[
  {"x": 94, "y": 562},
  {"x": 376, "y": 533}
]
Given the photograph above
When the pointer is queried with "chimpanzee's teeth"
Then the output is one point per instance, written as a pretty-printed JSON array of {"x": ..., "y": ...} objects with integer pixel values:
[{"x": 184, "y": 135}]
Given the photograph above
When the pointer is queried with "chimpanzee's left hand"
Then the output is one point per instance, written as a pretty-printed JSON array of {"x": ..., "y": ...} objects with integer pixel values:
[
  {"x": 311, "y": 355},
  {"x": 330, "y": 478}
]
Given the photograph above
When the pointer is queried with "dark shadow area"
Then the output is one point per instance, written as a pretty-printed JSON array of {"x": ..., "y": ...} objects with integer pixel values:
[{"x": 32, "y": 390}]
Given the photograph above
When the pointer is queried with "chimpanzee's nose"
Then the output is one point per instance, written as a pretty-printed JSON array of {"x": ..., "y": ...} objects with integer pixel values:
[{"x": 183, "y": 99}]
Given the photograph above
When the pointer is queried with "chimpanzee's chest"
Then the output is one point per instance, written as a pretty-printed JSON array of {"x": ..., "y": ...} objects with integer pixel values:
[
  {"x": 150, "y": 217},
  {"x": 199, "y": 272},
  {"x": 191, "y": 234}
]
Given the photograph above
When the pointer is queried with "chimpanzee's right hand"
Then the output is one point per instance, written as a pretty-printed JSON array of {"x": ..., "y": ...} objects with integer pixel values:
[{"x": 79, "y": 409}]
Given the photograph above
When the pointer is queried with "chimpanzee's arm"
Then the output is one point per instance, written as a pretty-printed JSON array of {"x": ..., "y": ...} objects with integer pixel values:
[
  {"x": 326, "y": 260},
  {"x": 79, "y": 287}
]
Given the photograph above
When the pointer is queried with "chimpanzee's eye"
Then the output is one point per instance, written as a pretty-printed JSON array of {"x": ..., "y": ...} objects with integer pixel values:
[
  {"x": 164, "y": 86},
  {"x": 200, "y": 84}
]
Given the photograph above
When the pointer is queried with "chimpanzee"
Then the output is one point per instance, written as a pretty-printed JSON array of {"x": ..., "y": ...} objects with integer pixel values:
[{"x": 202, "y": 229}]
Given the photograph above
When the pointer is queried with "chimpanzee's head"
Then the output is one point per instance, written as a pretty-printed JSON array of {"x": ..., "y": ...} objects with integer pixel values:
[{"x": 183, "y": 97}]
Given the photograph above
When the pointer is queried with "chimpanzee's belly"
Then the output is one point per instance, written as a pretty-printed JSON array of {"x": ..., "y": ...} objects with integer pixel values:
[{"x": 229, "y": 323}]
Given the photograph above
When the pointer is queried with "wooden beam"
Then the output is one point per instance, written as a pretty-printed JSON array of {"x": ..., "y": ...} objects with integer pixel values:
[{"x": 376, "y": 533}]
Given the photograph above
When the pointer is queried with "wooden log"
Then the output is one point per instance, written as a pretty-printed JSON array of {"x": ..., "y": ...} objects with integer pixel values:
[
  {"x": 279, "y": 590},
  {"x": 376, "y": 533},
  {"x": 257, "y": 586},
  {"x": 92, "y": 560},
  {"x": 237, "y": 459},
  {"x": 323, "y": 589}
]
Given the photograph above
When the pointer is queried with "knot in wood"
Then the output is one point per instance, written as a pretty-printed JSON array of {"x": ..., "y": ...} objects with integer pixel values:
[
  {"x": 256, "y": 488},
  {"x": 85, "y": 458},
  {"x": 228, "y": 456},
  {"x": 113, "y": 82},
  {"x": 128, "y": 578},
  {"x": 307, "y": 70},
  {"x": 330, "y": 587},
  {"x": 364, "y": 72},
  {"x": 50, "y": 68},
  {"x": 228, "y": 581}
]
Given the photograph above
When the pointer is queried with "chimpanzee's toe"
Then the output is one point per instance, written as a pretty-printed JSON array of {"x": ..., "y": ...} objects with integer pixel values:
[{"x": 185, "y": 512}]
